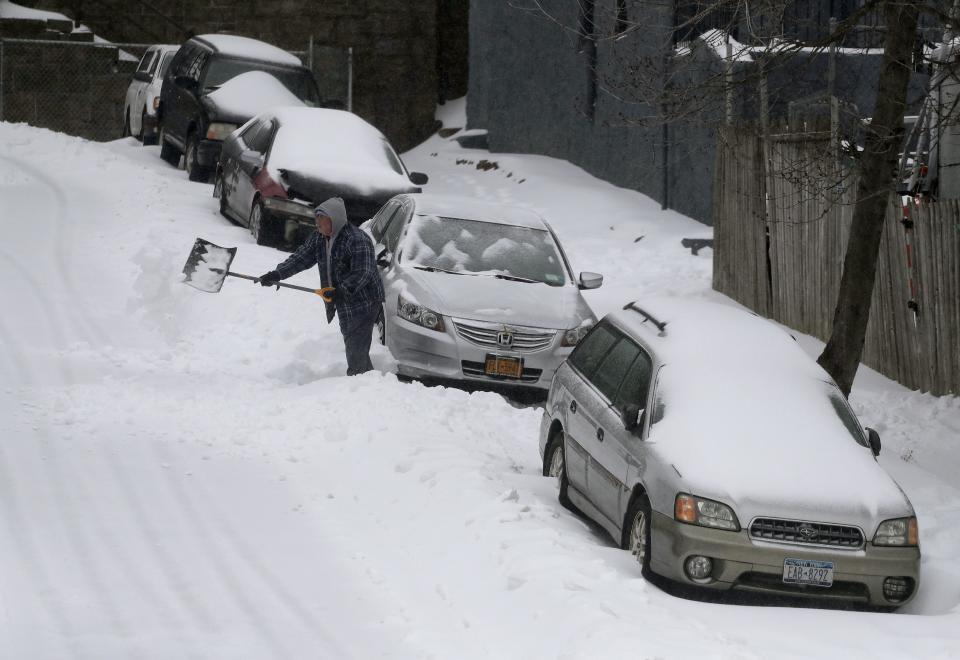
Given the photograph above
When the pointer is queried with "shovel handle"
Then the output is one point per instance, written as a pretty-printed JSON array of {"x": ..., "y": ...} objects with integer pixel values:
[{"x": 286, "y": 286}]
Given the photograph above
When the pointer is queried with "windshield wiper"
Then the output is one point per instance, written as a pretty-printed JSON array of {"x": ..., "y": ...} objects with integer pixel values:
[
  {"x": 434, "y": 269},
  {"x": 514, "y": 278}
]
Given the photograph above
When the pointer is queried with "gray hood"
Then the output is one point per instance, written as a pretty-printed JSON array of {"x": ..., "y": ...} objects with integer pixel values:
[{"x": 336, "y": 211}]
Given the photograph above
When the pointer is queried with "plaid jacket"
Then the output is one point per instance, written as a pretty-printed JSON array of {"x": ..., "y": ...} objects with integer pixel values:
[{"x": 354, "y": 271}]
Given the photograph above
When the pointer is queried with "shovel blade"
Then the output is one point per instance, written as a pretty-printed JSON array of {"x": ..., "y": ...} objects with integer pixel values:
[{"x": 208, "y": 265}]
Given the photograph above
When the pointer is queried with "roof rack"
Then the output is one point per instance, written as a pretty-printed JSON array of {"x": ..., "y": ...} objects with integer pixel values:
[{"x": 661, "y": 326}]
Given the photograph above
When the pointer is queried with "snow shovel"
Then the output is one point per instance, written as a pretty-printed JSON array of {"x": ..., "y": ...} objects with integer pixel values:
[{"x": 208, "y": 266}]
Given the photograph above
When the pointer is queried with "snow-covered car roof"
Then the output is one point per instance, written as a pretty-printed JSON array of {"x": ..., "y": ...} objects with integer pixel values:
[
  {"x": 469, "y": 208},
  {"x": 336, "y": 146},
  {"x": 698, "y": 332},
  {"x": 742, "y": 404},
  {"x": 247, "y": 48}
]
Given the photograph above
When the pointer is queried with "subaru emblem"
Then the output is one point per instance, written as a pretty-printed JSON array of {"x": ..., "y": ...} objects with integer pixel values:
[{"x": 808, "y": 532}]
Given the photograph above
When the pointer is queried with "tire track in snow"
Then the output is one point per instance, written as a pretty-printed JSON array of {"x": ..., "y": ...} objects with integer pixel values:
[
  {"x": 19, "y": 533},
  {"x": 45, "y": 307},
  {"x": 89, "y": 329},
  {"x": 270, "y": 581},
  {"x": 82, "y": 541},
  {"x": 163, "y": 560},
  {"x": 243, "y": 601},
  {"x": 117, "y": 549}
]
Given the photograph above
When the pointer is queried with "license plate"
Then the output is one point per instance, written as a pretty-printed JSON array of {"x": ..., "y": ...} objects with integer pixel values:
[
  {"x": 808, "y": 571},
  {"x": 509, "y": 367}
]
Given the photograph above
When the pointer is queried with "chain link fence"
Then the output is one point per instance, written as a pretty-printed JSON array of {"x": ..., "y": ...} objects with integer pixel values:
[{"x": 79, "y": 88}]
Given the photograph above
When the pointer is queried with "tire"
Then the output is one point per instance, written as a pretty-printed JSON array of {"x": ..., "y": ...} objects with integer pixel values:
[
  {"x": 555, "y": 465},
  {"x": 126, "y": 124},
  {"x": 636, "y": 532},
  {"x": 168, "y": 152},
  {"x": 261, "y": 225},
  {"x": 195, "y": 171}
]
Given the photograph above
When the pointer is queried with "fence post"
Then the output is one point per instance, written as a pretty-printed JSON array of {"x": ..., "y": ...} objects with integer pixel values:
[
  {"x": 350, "y": 78},
  {"x": 834, "y": 102},
  {"x": 1, "y": 80},
  {"x": 310, "y": 56},
  {"x": 728, "y": 83}
]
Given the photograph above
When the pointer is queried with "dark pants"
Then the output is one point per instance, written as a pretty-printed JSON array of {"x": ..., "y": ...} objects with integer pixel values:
[{"x": 357, "y": 334}]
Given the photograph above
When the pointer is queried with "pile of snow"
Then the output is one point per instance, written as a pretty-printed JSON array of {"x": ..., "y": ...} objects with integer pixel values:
[
  {"x": 185, "y": 474},
  {"x": 251, "y": 93}
]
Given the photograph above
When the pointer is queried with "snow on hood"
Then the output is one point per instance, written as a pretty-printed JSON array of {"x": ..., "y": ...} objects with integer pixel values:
[
  {"x": 337, "y": 147},
  {"x": 751, "y": 420},
  {"x": 486, "y": 298},
  {"x": 249, "y": 94}
]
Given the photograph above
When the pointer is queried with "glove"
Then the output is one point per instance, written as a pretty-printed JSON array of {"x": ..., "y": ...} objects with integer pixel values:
[
  {"x": 269, "y": 279},
  {"x": 329, "y": 294}
]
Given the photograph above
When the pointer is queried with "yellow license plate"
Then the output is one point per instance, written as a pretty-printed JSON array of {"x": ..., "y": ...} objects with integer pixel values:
[{"x": 509, "y": 367}]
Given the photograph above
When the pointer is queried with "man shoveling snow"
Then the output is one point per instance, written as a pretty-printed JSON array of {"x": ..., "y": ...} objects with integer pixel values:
[{"x": 348, "y": 272}]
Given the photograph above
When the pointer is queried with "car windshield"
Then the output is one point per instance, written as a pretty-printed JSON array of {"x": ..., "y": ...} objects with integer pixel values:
[
  {"x": 298, "y": 81},
  {"x": 484, "y": 248}
]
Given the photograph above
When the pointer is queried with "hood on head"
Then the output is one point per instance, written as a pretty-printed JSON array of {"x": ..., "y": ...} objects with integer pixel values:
[{"x": 334, "y": 209}]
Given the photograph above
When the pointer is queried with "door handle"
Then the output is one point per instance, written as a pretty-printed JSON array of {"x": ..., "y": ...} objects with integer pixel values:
[
  {"x": 573, "y": 407},
  {"x": 600, "y": 434}
]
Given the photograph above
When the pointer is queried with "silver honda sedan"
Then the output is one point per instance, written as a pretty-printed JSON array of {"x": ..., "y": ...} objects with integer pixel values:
[{"x": 476, "y": 291}]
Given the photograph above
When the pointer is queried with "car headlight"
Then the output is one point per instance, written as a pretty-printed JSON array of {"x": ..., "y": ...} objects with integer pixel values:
[
  {"x": 573, "y": 336},
  {"x": 288, "y": 206},
  {"x": 411, "y": 311},
  {"x": 706, "y": 513},
  {"x": 900, "y": 531},
  {"x": 219, "y": 130}
]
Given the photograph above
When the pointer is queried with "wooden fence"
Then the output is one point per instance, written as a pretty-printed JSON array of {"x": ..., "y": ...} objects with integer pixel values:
[{"x": 781, "y": 224}]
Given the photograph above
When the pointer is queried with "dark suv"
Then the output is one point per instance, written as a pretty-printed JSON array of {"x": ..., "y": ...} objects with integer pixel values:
[{"x": 192, "y": 121}]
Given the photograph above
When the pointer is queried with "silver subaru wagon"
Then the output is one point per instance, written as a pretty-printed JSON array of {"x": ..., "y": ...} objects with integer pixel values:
[{"x": 706, "y": 442}]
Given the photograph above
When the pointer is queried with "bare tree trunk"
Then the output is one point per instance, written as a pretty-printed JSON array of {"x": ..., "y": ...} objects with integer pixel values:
[{"x": 841, "y": 356}]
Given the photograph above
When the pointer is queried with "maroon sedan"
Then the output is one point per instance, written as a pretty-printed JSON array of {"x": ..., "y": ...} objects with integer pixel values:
[{"x": 274, "y": 168}]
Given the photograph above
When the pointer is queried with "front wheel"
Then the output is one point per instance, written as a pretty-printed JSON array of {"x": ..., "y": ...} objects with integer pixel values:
[
  {"x": 555, "y": 465},
  {"x": 261, "y": 225},
  {"x": 195, "y": 171},
  {"x": 636, "y": 536}
]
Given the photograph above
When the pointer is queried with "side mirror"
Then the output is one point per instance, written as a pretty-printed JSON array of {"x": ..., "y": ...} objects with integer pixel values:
[
  {"x": 874, "y": 439},
  {"x": 251, "y": 159},
  {"x": 631, "y": 416},
  {"x": 418, "y": 178},
  {"x": 142, "y": 76},
  {"x": 590, "y": 280},
  {"x": 185, "y": 82},
  {"x": 383, "y": 256}
]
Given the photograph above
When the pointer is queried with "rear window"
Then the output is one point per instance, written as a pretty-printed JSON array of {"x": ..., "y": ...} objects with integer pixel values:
[
  {"x": 298, "y": 81},
  {"x": 593, "y": 348}
]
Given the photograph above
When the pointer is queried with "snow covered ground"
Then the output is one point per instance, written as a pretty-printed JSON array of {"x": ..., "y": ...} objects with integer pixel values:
[{"x": 189, "y": 475}]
